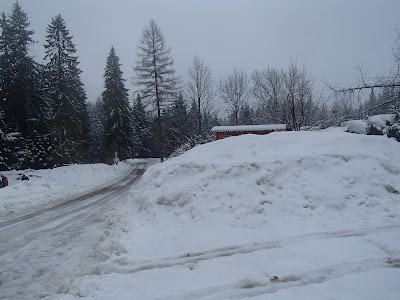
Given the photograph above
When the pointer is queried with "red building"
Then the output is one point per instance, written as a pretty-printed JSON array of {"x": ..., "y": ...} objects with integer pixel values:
[{"x": 222, "y": 132}]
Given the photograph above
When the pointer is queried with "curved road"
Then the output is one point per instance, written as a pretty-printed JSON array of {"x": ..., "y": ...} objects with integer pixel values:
[{"x": 39, "y": 251}]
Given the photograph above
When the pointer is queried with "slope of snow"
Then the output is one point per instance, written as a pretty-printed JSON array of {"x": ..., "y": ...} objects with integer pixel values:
[
  {"x": 48, "y": 187},
  {"x": 319, "y": 210},
  {"x": 252, "y": 180}
]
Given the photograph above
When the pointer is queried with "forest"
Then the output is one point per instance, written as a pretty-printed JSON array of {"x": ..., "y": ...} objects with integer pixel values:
[{"x": 46, "y": 120}]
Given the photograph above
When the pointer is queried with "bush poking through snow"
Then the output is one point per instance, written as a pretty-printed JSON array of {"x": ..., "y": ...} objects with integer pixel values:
[{"x": 376, "y": 125}]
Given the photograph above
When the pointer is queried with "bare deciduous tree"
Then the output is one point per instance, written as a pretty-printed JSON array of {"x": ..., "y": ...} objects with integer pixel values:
[
  {"x": 298, "y": 104},
  {"x": 200, "y": 89},
  {"x": 386, "y": 87},
  {"x": 268, "y": 92},
  {"x": 234, "y": 91},
  {"x": 286, "y": 96}
]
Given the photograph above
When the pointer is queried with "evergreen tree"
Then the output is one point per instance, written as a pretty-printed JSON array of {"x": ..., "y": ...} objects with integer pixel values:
[
  {"x": 22, "y": 67},
  {"x": 6, "y": 69},
  {"x": 155, "y": 74},
  {"x": 371, "y": 103},
  {"x": 177, "y": 125},
  {"x": 246, "y": 115},
  {"x": 65, "y": 91},
  {"x": 142, "y": 129},
  {"x": 116, "y": 111},
  {"x": 22, "y": 101},
  {"x": 96, "y": 132},
  {"x": 192, "y": 116},
  {"x": 7, "y": 157},
  {"x": 4, "y": 144}
]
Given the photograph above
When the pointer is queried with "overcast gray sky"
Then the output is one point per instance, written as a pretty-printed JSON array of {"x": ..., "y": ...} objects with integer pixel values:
[{"x": 329, "y": 37}]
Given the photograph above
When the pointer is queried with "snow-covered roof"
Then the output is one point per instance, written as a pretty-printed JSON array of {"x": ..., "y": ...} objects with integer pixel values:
[{"x": 244, "y": 128}]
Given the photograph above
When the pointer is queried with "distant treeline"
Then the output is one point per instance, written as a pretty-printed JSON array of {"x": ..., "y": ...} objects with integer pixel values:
[{"x": 45, "y": 120}]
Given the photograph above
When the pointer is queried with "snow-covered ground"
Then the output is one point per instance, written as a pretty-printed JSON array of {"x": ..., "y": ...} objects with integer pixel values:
[
  {"x": 53, "y": 186},
  {"x": 318, "y": 210}
]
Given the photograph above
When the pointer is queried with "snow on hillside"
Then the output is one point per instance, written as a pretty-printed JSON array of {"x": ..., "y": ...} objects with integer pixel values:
[
  {"x": 319, "y": 210},
  {"x": 48, "y": 187}
]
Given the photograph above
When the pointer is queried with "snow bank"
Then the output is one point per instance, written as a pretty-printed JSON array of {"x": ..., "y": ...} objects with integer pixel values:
[
  {"x": 251, "y": 180},
  {"x": 318, "y": 210},
  {"x": 47, "y": 187}
]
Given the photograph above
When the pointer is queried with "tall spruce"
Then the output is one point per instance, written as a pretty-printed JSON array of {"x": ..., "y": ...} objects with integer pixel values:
[
  {"x": 66, "y": 94},
  {"x": 116, "y": 112},
  {"x": 155, "y": 75},
  {"x": 22, "y": 102},
  {"x": 7, "y": 150}
]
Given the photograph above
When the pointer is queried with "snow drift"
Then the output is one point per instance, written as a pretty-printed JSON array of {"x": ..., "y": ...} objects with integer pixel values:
[
  {"x": 318, "y": 210},
  {"x": 249, "y": 180}
]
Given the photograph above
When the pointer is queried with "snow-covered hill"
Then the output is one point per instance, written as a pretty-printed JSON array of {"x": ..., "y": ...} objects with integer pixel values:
[
  {"x": 252, "y": 180},
  {"x": 318, "y": 210}
]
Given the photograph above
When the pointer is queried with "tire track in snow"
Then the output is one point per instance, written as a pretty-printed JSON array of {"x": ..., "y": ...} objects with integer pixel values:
[
  {"x": 116, "y": 186},
  {"x": 248, "y": 288},
  {"x": 36, "y": 247},
  {"x": 198, "y": 256},
  {"x": 20, "y": 231}
]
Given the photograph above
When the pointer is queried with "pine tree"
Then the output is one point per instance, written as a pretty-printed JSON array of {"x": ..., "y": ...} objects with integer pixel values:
[
  {"x": 96, "y": 132},
  {"x": 142, "y": 129},
  {"x": 66, "y": 94},
  {"x": 155, "y": 74},
  {"x": 371, "y": 103},
  {"x": 5, "y": 66},
  {"x": 177, "y": 125},
  {"x": 7, "y": 158},
  {"x": 22, "y": 101},
  {"x": 192, "y": 116},
  {"x": 22, "y": 67},
  {"x": 116, "y": 111},
  {"x": 4, "y": 144},
  {"x": 246, "y": 115}
]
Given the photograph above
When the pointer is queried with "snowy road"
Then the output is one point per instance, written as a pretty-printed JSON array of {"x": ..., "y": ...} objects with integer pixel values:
[{"x": 40, "y": 252}]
